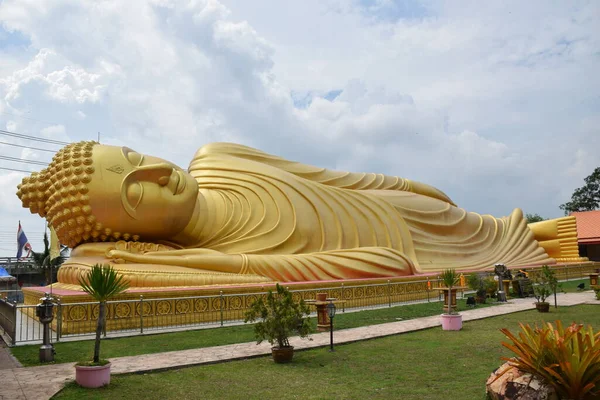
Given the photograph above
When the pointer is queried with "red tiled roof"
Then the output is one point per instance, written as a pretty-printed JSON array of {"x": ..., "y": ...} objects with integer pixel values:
[{"x": 588, "y": 226}]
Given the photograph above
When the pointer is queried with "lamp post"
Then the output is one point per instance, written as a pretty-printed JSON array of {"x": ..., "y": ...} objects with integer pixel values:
[
  {"x": 44, "y": 313},
  {"x": 331, "y": 314},
  {"x": 500, "y": 271}
]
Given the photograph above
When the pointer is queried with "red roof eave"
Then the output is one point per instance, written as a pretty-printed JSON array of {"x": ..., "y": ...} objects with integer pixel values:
[{"x": 589, "y": 241}]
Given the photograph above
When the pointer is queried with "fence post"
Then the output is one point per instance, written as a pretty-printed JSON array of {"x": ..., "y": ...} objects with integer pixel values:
[
  {"x": 141, "y": 314},
  {"x": 13, "y": 334},
  {"x": 389, "y": 294},
  {"x": 567, "y": 274},
  {"x": 105, "y": 317},
  {"x": 58, "y": 320},
  {"x": 222, "y": 305},
  {"x": 343, "y": 302},
  {"x": 428, "y": 290}
]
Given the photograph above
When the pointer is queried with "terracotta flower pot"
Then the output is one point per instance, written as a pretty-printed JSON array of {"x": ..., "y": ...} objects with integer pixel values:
[
  {"x": 282, "y": 354},
  {"x": 92, "y": 377},
  {"x": 451, "y": 322},
  {"x": 542, "y": 307}
]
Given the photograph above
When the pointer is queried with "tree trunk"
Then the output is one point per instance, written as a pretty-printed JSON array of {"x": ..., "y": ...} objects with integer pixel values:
[
  {"x": 47, "y": 270},
  {"x": 101, "y": 318}
]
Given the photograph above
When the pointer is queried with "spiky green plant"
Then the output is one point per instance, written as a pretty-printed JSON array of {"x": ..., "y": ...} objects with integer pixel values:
[
  {"x": 279, "y": 316},
  {"x": 102, "y": 283},
  {"x": 568, "y": 358},
  {"x": 450, "y": 279}
]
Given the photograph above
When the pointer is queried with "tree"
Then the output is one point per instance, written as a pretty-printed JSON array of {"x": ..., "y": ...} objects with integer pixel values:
[
  {"x": 531, "y": 218},
  {"x": 42, "y": 260},
  {"x": 586, "y": 198}
]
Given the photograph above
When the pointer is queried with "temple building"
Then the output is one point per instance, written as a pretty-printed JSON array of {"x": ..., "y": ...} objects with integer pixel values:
[{"x": 588, "y": 234}]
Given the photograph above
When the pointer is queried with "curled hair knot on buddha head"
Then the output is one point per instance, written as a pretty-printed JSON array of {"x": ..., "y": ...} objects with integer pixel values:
[{"x": 59, "y": 193}]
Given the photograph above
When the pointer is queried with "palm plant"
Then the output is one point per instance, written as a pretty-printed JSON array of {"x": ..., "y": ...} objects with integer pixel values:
[
  {"x": 102, "y": 283},
  {"x": 450, "y": 279},
  {"x": 43, "y": 261}
]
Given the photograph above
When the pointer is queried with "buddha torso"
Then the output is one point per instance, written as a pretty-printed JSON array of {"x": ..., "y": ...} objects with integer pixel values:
[{"x": 256, "y": 209}]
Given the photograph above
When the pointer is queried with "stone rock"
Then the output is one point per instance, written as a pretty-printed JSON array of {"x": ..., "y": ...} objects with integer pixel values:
[{"x": 518, "y": 385}]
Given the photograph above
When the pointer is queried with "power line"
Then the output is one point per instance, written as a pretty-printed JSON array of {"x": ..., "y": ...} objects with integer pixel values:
[
  {"x": 16, "y": 170},
  {"x": 28, "y": 147},
  {"x": 29, "y": 137},
  {"x": 22, "y": 160}
]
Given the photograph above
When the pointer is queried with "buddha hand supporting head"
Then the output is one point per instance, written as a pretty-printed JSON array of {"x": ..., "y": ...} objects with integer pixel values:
[{"x": 92, "y": 192}]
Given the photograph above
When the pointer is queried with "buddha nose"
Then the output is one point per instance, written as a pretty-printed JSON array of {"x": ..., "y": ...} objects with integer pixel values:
[{"x": 164, "y": 180}]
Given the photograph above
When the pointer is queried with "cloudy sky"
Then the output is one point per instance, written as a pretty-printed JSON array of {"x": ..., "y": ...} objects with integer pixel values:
[{"x": 495, "y": 103}]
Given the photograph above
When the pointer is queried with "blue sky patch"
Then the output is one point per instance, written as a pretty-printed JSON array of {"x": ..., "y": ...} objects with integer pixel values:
[
  {"x": 394, "y": 10},
  {"x": 12, "y": 39},
  {"x": 304, "y": 99}
]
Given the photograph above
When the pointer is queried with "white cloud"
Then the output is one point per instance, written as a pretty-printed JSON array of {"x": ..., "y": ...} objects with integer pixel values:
[{"x": 497, "y": 105}]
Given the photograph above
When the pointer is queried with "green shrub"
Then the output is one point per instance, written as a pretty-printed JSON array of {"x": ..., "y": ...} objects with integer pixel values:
[
  {"x": 544, "y": 284},
  {"x": 279, "y": 317}
]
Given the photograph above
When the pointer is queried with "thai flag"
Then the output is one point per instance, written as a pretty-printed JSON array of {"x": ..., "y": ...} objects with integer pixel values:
[{"x": 22, "y": 243}]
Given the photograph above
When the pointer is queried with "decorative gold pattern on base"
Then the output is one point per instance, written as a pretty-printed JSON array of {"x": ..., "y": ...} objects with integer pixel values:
[{"x": 174, "y": 307}]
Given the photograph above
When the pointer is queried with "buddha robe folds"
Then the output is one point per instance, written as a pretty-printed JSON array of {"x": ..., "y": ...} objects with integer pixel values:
[{"x": 296, "y": 222}]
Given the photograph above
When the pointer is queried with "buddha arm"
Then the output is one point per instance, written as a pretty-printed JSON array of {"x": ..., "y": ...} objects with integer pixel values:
[
  {"x": 340, "y": 179},
  {"x": 365, "y": 262},
  {"x": 189, "y": 258}
]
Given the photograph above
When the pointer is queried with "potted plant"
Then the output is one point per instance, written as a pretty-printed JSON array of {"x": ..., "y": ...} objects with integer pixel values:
[
  {"x": 279, "y": 316},
  {"x": 567, "y": 358},
  {"x": 477, "y": 282},
  {"x": 553, "y": 284},
  {"x": 102, "y": 283},
  {"x": 451, "y": 321},
  {"x": 491, "y": 286},
  {"x": 541, "y": 291}
]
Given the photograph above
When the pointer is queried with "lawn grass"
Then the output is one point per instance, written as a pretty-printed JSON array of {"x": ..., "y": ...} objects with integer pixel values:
[
  {"x": 428, "y": 364},
  {"x": 157, "y": 343},
  {"x": 571, "y": 286}
]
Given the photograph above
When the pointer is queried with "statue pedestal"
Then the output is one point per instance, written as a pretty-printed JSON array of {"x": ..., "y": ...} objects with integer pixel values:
[
  {"x": 142, "y": 308},
  {"x": 593, "y": 279}
]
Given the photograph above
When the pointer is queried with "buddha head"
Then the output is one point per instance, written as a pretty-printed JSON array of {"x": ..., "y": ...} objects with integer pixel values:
[{"x": 92, "y": 192}]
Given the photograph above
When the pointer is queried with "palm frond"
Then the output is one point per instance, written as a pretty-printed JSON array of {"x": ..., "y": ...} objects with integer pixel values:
[{"x": 102, "y": 282}]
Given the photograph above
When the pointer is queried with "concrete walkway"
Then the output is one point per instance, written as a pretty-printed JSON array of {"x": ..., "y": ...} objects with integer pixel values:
[{"x": 44, "y": 381}]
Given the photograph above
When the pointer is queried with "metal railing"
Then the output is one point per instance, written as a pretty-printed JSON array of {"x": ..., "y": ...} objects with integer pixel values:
[
  {"x": 147, "y": 315},
  {"x": 141, "y": 316},
  {"x": 8, "y": 319}
]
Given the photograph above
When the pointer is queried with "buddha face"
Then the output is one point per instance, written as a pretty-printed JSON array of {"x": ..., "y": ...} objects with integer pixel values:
[{"x": 139, "y": 194}]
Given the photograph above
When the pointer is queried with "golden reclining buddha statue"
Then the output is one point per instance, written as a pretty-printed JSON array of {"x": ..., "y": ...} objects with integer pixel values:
[{"x": 239, "y": 215}]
